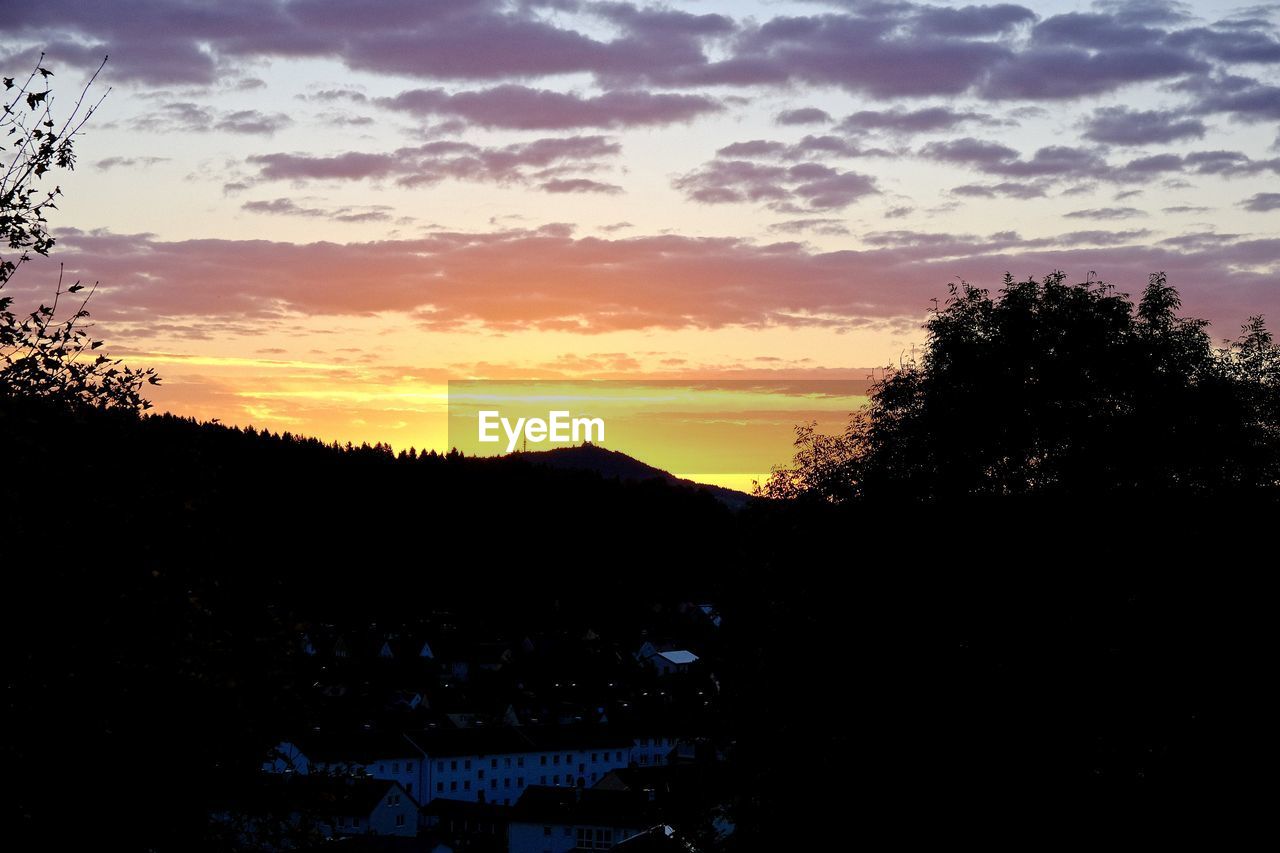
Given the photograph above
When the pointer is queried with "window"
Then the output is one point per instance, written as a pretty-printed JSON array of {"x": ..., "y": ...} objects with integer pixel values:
[
  {"x": 355, "y": 822},
  {"x": 395, "y": 767},
  {"x": 506, "y": 783},
  {"x": 542, "y": 760},
  {"x": 568, "y": 759},
  {"x": 453, "y": 786},
  {"x": 408, "y": 767},
  {"x": 342, "y": 821},
  {"x": 399, "y": 820},
  {"x": 594, "y": 839},
  {"x": 555, "y": 759},
  {"x": 382, "y": 768},
  {"x": 467, "y": 764},
  {"x": 582, "y": 768},
  {"x": 593, "y": 758},
  {"x": 493, "y": 763},
  {"x": 546, "y": 830},
  {"x": 493, "y": 783},
  {"x": 544, "y": 781},
  {"x": 440, "y": 766},
  {"x": 482, "y": 774},
  {"x": 619, "y": 756},
  {"x": 520, "y": 781},
  {"x": 520, "y": 761},
  {"x": 393, "y": 800},
  {"x": 408, "y": 788},
  {"x": 508, "y": 760},
  {"x": 466, "y": 786},
  {"x": 439, "y": 787},
  {"x": 555, "y": 780},
  {"x": 453, "y": 765}
]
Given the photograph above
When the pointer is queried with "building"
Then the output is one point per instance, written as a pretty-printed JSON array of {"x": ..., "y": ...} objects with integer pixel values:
[
  {"x": 559, "y": 820},
  {"x": 665, "y": 661},
  {"x": 497, "y": 765},
  {"x": 481, "y": 764},
  {"x": 322, "y": 807}
]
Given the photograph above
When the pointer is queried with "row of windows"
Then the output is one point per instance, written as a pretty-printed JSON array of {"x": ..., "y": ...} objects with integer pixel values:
[
  {"x": 395, "y": 767},
  {"x": 542, "y": 761},
  {"x": 588, "y": 838},
  {"x": 506, "y": 783}
]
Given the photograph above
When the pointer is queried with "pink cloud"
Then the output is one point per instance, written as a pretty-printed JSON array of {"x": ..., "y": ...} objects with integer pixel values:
[{"x": 549, "y": 279}]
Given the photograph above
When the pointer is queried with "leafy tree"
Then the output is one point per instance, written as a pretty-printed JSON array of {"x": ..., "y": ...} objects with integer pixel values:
[
  {"x": 1051, "y": 388},
  {"x": 49, "y": 353}
]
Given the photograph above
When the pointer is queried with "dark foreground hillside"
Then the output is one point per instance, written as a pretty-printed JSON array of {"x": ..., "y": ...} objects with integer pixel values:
[{"x": 881, "y": 666}]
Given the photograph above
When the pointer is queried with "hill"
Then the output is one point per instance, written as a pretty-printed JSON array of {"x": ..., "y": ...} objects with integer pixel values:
[{"x": 616, "y": 465}]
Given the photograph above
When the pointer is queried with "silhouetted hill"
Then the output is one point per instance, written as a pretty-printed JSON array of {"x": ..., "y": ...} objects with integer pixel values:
[{"x": 616, "y": 465}]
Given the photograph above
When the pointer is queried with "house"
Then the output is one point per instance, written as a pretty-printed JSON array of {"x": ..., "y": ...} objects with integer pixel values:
[
  {"x": 321, "y": 807},
  {"x": 666, "y": 661},
  {"x": 559, "y": 820},
  {"x": 673, "y": 661},
  {"x": 466, "y": 826}
]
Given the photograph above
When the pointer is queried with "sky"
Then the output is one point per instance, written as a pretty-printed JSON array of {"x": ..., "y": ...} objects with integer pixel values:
[{"x": 311, "y": 215}]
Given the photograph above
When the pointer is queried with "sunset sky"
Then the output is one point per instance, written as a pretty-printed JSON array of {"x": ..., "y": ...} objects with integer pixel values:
[{"x": 311, "y": 215}]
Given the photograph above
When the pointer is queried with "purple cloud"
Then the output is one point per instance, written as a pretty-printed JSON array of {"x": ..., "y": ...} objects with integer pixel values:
[
  {"x": 579, "y": 185},
  {"x": 524, "y": 108},
  {"x": 1105, "y": 213},
  {"x": 1262, "y": 202},
  {"x": 436, "y": 161},
  {"x": 1123, "y": 126},
  {"x": 803, "y": 115},
  {"x": 911, "y": 121},
  {"x": 804, "y": 187}
]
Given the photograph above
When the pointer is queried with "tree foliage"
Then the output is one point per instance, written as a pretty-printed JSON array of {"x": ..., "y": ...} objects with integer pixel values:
[
  {"x": 1052, "y": 388},
  {"x": 49, "y": 352}
]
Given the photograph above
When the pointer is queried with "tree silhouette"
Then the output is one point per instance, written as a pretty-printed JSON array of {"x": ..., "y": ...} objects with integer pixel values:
[
  {"x": 47, "y": 354},
  {"x": 1051, "y": 388}
]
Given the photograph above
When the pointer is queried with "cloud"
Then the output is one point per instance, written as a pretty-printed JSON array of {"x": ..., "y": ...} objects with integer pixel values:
[
  {"x": 902, "y": 121},
  {"x": 1105, "y": 213},
  {"x": 810, "y": 146},
  {"x": 1123, "y": 126},
  {"x": 437, "y": 161},
  {"x": 904, "y": 49},
  {"x": 108, "y": 163},
  {"x": 547, "y": 279},
  {"x": 802, "y": 115},
  {"x": 525, "y": 108},
  {"x": 1004, "y": 189},
  {"x": 188, "y": 117},
  {"x": 829, "y": 227},
  {"x": 1262, "y": 202},
  {"x": 287, "y": 207},
  {"x": 969, "y": 151},
  {"x": 579, "y": 185},
  {"x": 1242, "y": 98},
  {"x": 804, "y": 187}
]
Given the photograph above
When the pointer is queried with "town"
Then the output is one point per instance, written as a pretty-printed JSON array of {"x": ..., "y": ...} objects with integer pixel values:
[{"x": 437, "y": 736}]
